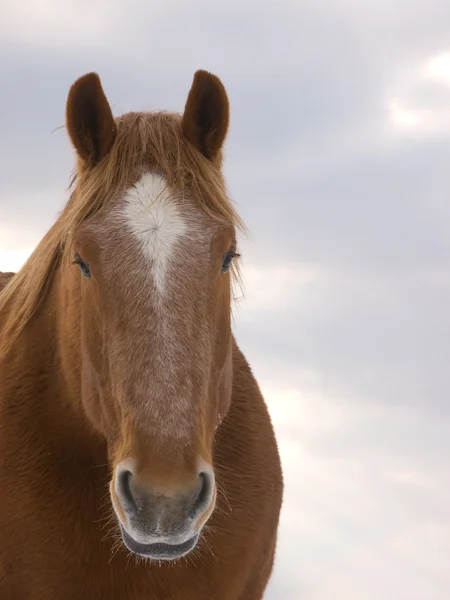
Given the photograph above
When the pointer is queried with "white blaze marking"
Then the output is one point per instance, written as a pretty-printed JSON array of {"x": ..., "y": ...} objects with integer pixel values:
[{"x": 156, "y": 221}]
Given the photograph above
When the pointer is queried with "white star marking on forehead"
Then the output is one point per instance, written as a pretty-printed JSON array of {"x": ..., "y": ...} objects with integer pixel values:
[{"x": 156, "y": 221}]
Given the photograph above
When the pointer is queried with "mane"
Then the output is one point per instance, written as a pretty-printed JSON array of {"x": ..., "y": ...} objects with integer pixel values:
[{"x": 141, "y": 138}]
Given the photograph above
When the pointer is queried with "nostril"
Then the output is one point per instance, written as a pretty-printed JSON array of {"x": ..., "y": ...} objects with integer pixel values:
[
  {"x": 204, "y": 497},
  {"x": 124, "y": 489}
]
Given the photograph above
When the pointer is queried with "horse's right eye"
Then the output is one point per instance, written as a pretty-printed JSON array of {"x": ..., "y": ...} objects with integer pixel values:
[{"x": 83, "y": 266}]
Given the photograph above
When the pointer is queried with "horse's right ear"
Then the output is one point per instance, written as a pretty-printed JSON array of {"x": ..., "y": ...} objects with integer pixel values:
[{"x": 89, "y": 119}]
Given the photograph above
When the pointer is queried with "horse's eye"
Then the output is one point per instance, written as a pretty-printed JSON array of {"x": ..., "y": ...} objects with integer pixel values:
[
  {"x": 83, "y": 266},
  {"x": 228, "y": 259}
]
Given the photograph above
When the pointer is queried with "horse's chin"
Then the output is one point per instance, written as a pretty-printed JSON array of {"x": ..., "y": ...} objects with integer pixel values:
[{"x": 159, "y": 551}]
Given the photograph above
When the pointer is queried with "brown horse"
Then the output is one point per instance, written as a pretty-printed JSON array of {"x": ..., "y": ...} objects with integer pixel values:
[{"x": 137, "y": 456}]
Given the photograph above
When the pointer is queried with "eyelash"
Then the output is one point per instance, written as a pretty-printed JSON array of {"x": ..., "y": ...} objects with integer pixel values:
[
  {"x": 83, "y": 266},
  {"x": 231, "y": 254}
]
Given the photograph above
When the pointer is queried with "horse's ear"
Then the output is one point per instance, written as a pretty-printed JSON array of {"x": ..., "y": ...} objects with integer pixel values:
[
  {"x": 206, "y": 114},
  {"x": 89, "y": 119}
]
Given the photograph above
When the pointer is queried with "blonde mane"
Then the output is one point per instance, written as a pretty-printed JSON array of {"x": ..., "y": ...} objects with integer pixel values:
[{"x": 141, "y": 138}]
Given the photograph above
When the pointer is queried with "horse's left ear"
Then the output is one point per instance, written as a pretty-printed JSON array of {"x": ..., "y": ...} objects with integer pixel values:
[
  {"x": 89, "y": 119},
  {"x": 206, "y": 114}
]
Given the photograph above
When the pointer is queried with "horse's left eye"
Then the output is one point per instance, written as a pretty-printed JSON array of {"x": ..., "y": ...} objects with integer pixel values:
[
  {"x": 83, "y": 266},
  {"x": 228, "y": 259}
]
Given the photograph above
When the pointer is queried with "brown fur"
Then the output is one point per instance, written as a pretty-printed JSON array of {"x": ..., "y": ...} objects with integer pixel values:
[
  {"x": 206, "y": 127},
  {"x": 4, "y": 278},
  {"x": 64, "y": 423},
  {"x": 84, "y": 116}
]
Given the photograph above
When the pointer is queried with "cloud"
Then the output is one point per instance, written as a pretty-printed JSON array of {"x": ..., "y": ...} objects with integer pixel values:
[
  {"x": 68, "y": 25},
  {"x": 14, "y": 250},
  {"x": 438, "y": 67},
  {"x": 365, "y": 513},
  {"x": 420, "y": 106}
]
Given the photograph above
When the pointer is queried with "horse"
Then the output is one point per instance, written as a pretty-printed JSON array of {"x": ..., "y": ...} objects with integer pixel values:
[{"x": 138, "y": 459}]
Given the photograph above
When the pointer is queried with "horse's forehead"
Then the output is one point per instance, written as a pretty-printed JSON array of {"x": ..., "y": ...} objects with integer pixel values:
[{"x": 158, "y": 223}]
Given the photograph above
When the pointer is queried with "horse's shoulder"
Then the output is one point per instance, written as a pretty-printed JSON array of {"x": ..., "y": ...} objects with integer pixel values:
[{"x": 4, "y": 278}]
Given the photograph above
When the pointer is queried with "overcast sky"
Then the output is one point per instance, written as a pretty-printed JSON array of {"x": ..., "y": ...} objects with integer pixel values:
[{"x": 338, "y": 158}]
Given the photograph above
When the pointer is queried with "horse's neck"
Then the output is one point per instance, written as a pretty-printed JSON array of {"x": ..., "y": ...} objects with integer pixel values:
[{"x": 36, "y": 382}]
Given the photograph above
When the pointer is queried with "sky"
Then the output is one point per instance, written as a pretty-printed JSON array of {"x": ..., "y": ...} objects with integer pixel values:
[{"x": 337, "y": 159}]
